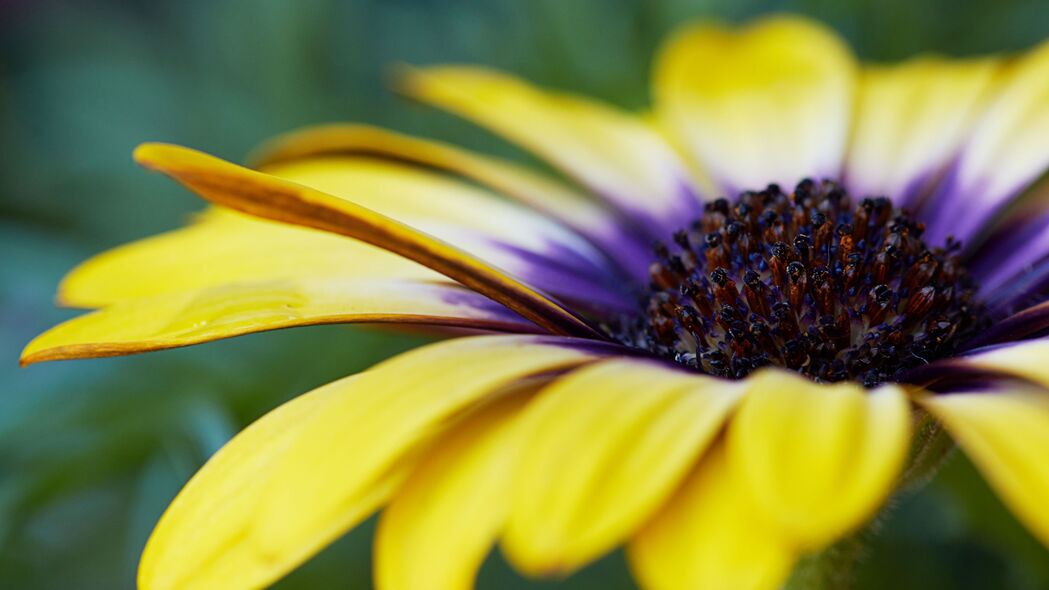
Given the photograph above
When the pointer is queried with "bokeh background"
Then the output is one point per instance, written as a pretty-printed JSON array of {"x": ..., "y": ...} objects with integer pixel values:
[{"x": 92, "y": 451}]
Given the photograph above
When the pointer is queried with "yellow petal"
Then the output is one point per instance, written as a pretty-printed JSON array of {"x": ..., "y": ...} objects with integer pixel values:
[
  {"x": 444, "y": 207},
  {"x": 710, "y": 536},
  {"x": 552, "y": 198},
  {"x": 396, "y": 405},
  {"x": 1026, "y": 360},
  {"x": 617, "y": 156},
  {"x": 818, "y": 460},
  {"x": 1006, "y": 434},
  {"x": 438, "y": 529},
  {"x": 556, "y": 259},
  {"x": 1007, "y": 151},
  {"x": 201, "y": 542},
  {"x": 305, "y": 474},
  {"x": 191, "y": 317},
  {"x": 280, "y": 200},
  {"x": 536, "y": 190},
  {"x": 601, "y": 450},
  {"x": 911, "y": 119},
  {"x": 224, "y": 247},
  {"x": 767, "y": 103}
]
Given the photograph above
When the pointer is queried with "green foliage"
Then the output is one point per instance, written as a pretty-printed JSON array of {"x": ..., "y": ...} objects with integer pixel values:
[{"x": 92, "y": 451}]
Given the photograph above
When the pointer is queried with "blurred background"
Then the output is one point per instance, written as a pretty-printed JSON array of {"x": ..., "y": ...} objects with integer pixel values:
[{"x": 92, "y": 451}]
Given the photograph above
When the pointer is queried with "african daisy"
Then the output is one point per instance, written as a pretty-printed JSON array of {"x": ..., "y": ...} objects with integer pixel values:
[{"x": 732, "y": 329}]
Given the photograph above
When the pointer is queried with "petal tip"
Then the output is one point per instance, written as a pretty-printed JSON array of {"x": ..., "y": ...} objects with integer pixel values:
[
  {"x": 32, "y": 354},
  {"x": 72, "y": 294},
  {"x": 167, "y": 157},
  {"x": 63, "y": 297},
  {"x": 146, "y": 154}
]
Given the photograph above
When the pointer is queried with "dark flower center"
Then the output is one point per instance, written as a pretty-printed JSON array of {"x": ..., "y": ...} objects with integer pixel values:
[{"x": 805, "y": 281}]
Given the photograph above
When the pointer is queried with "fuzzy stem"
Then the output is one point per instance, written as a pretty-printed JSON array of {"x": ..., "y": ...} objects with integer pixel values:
[
  {"x": 930, "y": 449},
  {"x": 833, "y": 568}
]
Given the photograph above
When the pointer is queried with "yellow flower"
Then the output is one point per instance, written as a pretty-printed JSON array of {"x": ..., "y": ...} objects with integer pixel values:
[{"x": 789, "y": 365}]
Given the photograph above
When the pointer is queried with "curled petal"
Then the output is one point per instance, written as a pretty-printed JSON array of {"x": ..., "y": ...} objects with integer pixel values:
[
  {"x": 540, "y": 192},
  {"x": 818, "y": 460},
  {"x": 440, "y": 526},
  {"x": 710, "y": 536},
  {"x": 269, "y": 197},
  {"x": 601, "y": 449}
]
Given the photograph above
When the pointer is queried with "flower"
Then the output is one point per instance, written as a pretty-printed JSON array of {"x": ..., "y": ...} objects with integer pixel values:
[{"x": 795, "y": 356}]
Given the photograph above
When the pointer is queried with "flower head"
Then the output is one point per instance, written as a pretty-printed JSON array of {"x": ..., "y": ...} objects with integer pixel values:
[{"x": 730, "y": 332}]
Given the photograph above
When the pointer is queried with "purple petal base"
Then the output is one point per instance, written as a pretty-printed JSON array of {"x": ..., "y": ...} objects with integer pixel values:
[
  {"x": 955, "y": 375},
  {"x": 1032, "y": 322}
]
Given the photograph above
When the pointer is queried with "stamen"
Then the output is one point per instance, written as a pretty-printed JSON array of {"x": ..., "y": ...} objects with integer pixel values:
[{"x": 807, "y": 282}]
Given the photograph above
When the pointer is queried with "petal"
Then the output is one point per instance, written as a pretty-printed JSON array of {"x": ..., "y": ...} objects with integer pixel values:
[
  {"x": 440, "y": 526},
  {"x": 431, "y": 202},
  {"x": 818, "y": 460},
  {"x": 541, "y": 252},
  {"x": 299, "y": 478},
  {"x": 1026, "y": 360},
  {"x": 540, "y": 192},
  {"x": 280, "y": 200},
  {"x": 1023, "y": 324},
  {"x": 601, "y": 450},
  {"x": 400, "y": 403},
  {"x": 617, "y": 156},
  {"x": 1003, "y": 263},
  {"x": 200, "y": 541},
  {"x": 224, "y": 247},
  {"x": 1005, "y": 352},
  {"x": 191, "y": 317},
  {"x": 1007, "y": 151},
  {"x": 767, "y": 103},
  {"x": 911, "y": 119},
  {"x": 1006, "y": 434},
  {"x": 544, "y": 194},
  {"x": 710, "y": 536}
]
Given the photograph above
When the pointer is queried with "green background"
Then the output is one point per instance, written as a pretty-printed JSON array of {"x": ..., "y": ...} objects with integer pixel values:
[{"x": 91, "y": 451}]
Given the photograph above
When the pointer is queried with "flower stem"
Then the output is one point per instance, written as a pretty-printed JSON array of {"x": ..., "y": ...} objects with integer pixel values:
[
  {"x": 930, "y": 448},
  {"x": 833, "y": 568}
]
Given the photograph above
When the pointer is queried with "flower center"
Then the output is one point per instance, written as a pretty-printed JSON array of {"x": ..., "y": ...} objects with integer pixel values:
[{"x": 805, "y": 281}]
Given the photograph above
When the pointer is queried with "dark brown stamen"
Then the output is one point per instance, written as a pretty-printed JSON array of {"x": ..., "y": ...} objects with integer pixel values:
[{"x": 807, "y": 282}]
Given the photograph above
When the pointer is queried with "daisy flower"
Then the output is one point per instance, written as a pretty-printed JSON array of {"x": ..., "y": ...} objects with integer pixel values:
[{"x": 722, "y": 337}]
